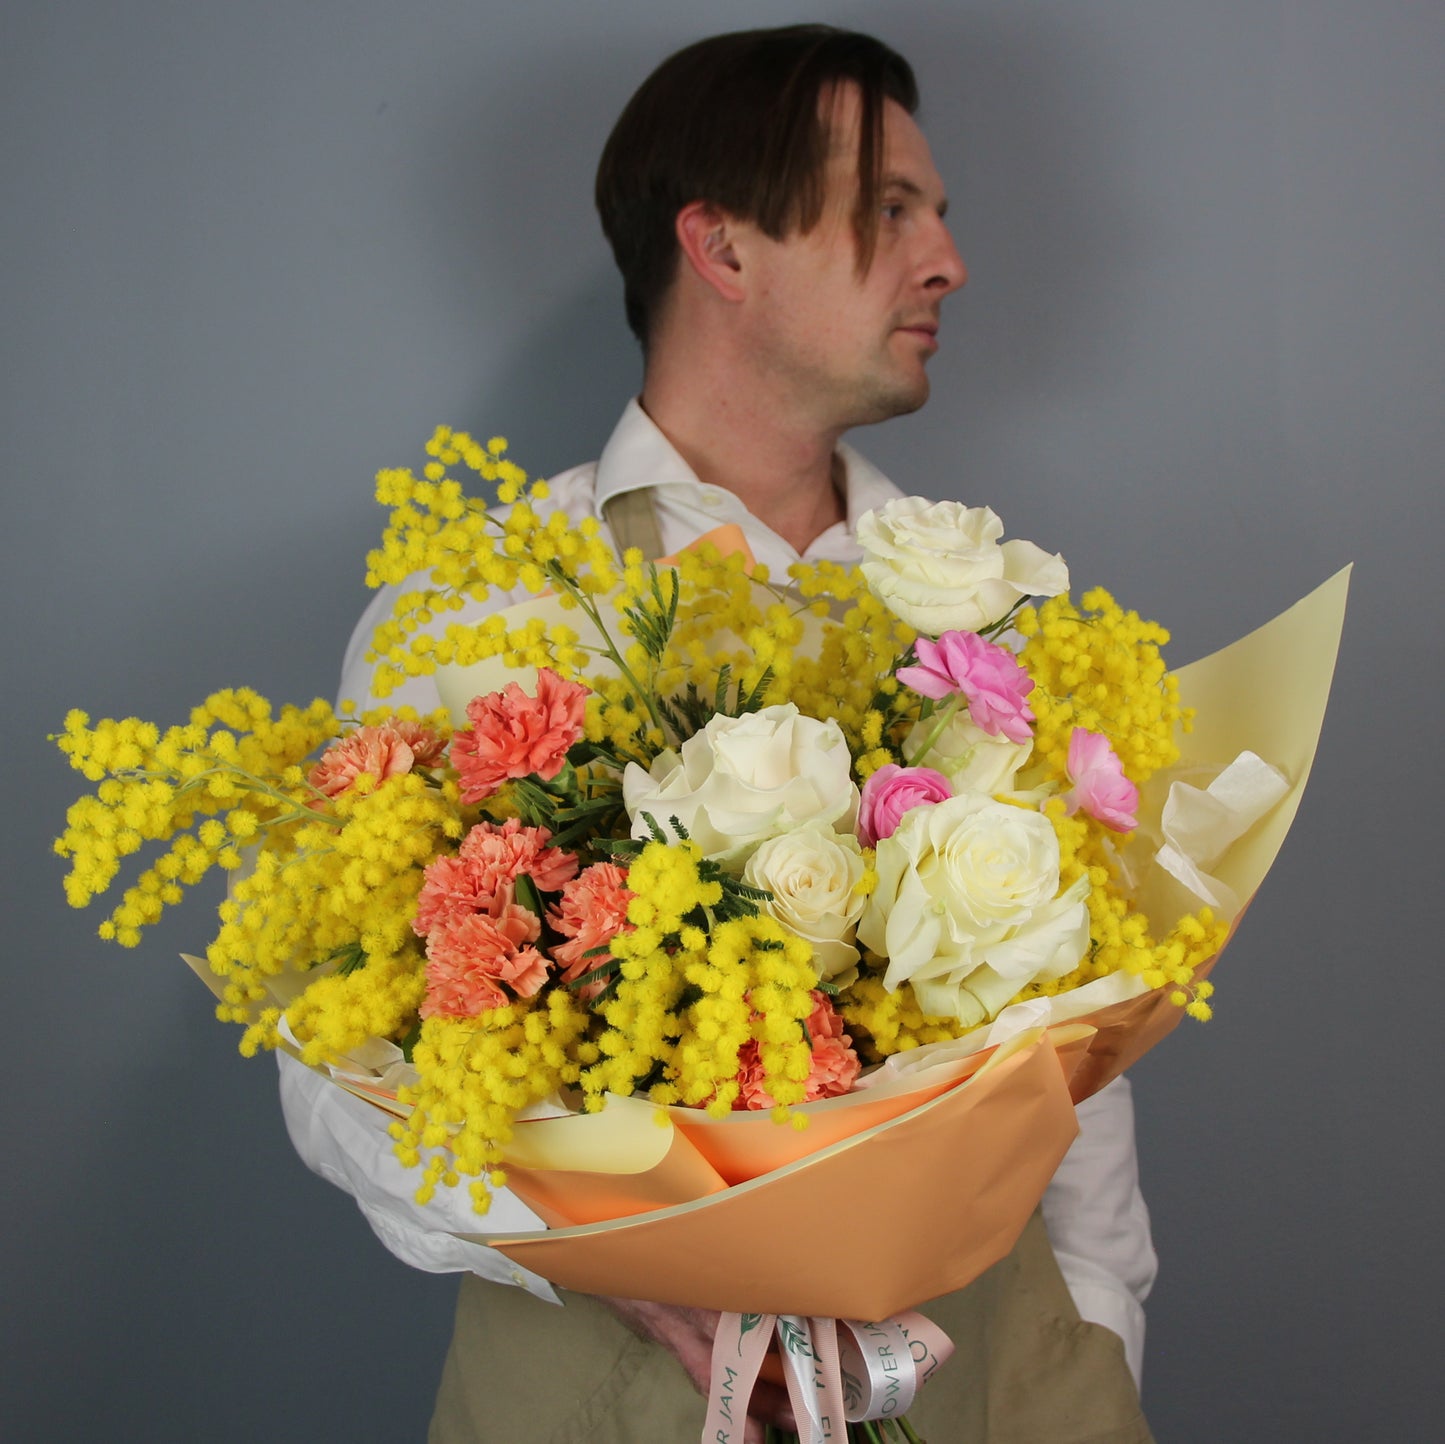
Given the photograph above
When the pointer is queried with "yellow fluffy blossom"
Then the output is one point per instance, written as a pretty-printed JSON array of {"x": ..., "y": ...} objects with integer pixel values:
[
  {"x": 884, "y": 1022},
  {"x": 1120, "y": 937},
  {"x": 475, "y": 1076},
  {"x": 1100, "y": 668}
]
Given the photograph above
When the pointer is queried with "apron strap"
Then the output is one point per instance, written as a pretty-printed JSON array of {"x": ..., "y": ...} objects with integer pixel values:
[{"x": 632, "y": 519}]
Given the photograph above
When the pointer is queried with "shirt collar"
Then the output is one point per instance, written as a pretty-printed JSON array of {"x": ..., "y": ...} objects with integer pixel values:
[{"x": 637, "y": 454}]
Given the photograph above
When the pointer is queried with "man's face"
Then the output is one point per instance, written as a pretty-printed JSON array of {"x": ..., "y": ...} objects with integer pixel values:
[{"x": 846, "y": 348}]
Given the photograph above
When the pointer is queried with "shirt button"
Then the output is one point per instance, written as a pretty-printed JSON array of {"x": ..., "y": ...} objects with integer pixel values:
[
  {"x": 713, "y": 499},
  {"x": 518, "y": 1277}
]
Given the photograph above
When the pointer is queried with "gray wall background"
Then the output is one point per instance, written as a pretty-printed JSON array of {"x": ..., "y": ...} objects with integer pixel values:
[{"x": 252, "y": 252}]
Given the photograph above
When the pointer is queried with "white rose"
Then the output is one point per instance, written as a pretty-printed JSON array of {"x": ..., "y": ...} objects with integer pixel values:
[
  {"x": 971, "y": 759},
  {"x": 939, "y": 566},
  {"x": 967, "y": 907},
  {"x": 742, "y": 780},
  {"x": 813, "y": 874}
]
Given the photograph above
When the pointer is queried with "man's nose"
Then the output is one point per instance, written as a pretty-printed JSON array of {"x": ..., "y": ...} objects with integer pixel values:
[{"x": 947, "y": 271}]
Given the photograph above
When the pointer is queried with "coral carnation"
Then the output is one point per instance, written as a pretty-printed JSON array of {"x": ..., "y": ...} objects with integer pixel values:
[
  {"x": 428, "y": 747},
  {"x": 451, "y": 888},
  {"x": 482, "y": 877},
  {"x": 835, "y": 1064},
  {"x": 469, "y": 957},
  {"x": 498, "y": 854},
  {"x": 387, "y": 750},
  {"x": 592, "y": 912},
  {"x": 514, "y": 735}
]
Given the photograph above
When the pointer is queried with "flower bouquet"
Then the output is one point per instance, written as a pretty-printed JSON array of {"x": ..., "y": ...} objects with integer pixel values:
[{"x": 708, "y": 895}]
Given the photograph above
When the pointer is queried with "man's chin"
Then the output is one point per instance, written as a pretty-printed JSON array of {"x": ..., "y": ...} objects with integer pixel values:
[{"x": 898, "y": 398}]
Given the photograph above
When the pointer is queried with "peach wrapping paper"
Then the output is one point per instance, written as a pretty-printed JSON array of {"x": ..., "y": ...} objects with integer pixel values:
[{"x": 982, "y": 1151}]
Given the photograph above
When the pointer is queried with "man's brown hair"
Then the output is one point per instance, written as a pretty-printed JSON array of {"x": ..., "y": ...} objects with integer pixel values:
[{"x": 735, "y": 120}]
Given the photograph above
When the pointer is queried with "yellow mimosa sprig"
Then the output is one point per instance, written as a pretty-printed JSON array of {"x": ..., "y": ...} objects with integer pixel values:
[
  {"x": 1101, "y": 668},
  {"x": 207, "y": 788},
  {"x": 470, "y": 551}
]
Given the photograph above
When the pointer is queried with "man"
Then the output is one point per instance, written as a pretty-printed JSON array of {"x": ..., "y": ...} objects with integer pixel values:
[{"x": 779, "y": 225}]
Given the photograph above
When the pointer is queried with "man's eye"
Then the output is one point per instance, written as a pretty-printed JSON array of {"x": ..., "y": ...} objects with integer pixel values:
[{"x": 892, "y": 210}]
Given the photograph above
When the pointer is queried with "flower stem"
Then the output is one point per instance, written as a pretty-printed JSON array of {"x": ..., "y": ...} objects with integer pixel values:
[
  {"x": 594, "y": 614},
  {"x": 945, "y": 716}
]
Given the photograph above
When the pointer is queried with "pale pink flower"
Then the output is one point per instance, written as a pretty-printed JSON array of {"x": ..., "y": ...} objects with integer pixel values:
[
  {"x": 835, "y": 1064},
  {"x": 482, "y": 876},
  {"x": 383, "y": 751},
  {"x": 994, "y": 681},
  {"x": 469, "y": 956},
  {"x": 428, "y": 747},
  {"x": 890, "y": 792},
  {"x": 514, "y": 735},
  {"x": 1100, "y": 787},
  {"x": 593, "y": 910}
]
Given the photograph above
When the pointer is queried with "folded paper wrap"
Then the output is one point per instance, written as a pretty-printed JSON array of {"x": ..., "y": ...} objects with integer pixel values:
[{"x": 982, "y": 1151}]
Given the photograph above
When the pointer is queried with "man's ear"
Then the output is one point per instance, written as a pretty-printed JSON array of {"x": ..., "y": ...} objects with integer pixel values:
[{"x": 705, "y": 236}]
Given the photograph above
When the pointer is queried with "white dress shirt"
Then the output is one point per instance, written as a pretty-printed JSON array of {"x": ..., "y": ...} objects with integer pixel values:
[{"x": 1093, "y": 1209}]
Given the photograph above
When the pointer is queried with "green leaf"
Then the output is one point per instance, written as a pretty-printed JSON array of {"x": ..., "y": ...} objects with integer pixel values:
[
  {"x": 527, "y": 894},
  {"x": 347, "y": 958},
  {"x": 724, "y": 679},
  {"x": 607, "y": 971},
  {"x": 408, "y": 1041}
]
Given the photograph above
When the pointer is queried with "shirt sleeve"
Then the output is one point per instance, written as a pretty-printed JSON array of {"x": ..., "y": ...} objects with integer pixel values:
[
  {"x": 1098, "y": 1223},
  {"x": 345, "y": 1141}
]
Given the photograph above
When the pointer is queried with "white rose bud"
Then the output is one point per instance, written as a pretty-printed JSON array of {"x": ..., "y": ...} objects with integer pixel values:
[
  {"x": 940, "y": 567},
  {"x": 967, "y": 907},
  {"x": 813, "y": 874},
  {"x": 971, "y": 759},
  {"x": 742, "y": 780}
]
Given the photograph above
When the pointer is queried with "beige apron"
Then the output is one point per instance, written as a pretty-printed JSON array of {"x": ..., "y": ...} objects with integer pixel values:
[{"x": 1026, "y": 1369}]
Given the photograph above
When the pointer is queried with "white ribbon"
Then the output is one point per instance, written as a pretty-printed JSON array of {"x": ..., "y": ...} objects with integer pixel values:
[{"x": 838, "y": 1371}]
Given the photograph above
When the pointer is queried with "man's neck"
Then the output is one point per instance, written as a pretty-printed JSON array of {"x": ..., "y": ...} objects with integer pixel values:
[{"x": 787, "y": 475}]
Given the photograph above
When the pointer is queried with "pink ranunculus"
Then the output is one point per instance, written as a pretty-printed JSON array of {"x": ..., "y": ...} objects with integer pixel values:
[
  {"x": 1100, "y": 787},
  {"x": 514, "y": 735},
  {"x": 469, "y": 956},
  {"x": 890, "y": 792},
  {"x": 835, "y": 1064},
  {"x": 592, "y": 912},
  {"x": 386, "y": 750},
  {"x": 993, "y": 681}
]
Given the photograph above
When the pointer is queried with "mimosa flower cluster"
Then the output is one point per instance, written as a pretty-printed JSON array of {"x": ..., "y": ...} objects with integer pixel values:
[{"x": 741, "y": 836}]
